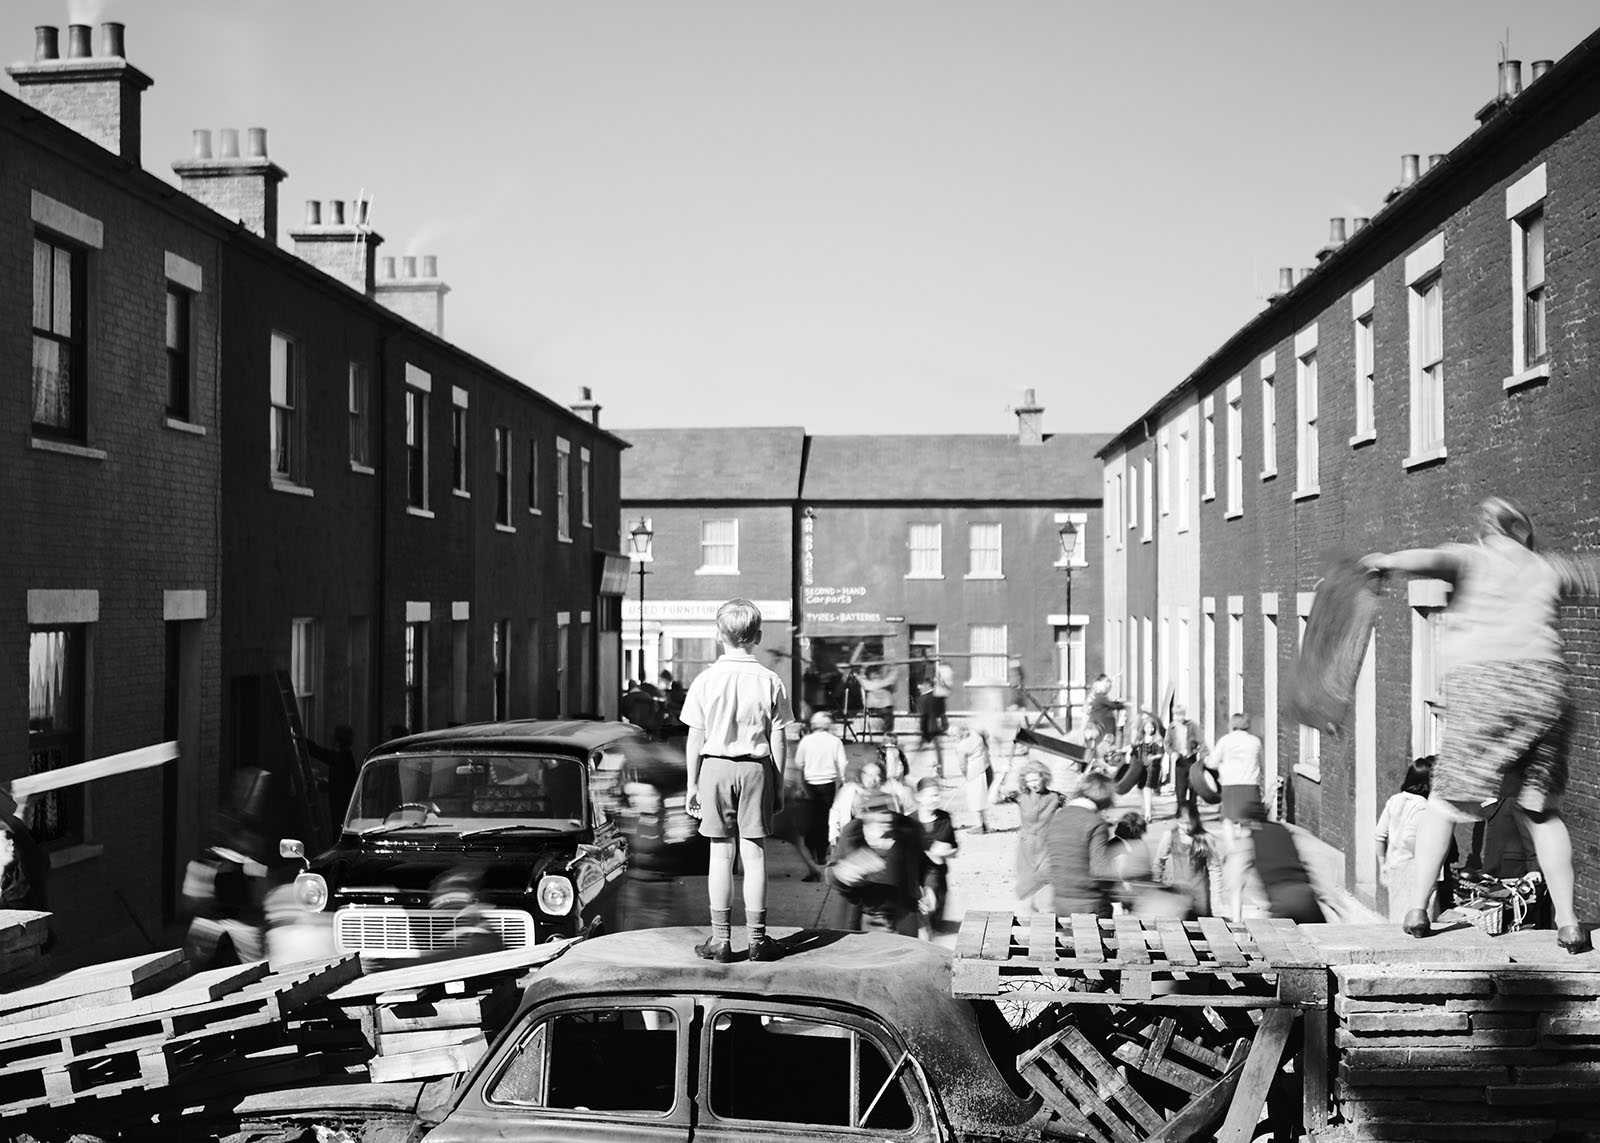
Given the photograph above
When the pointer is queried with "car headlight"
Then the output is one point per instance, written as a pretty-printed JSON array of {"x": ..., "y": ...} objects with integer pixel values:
[
  {"x": 555, "y": 895},
  {"x": 311, "y": 892}
]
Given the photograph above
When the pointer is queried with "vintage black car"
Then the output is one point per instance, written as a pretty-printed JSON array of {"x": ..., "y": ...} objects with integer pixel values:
[{"x": 514, "y": 814}]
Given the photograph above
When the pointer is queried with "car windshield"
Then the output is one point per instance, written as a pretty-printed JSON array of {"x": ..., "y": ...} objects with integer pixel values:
[{"x": 464, "y": 792}]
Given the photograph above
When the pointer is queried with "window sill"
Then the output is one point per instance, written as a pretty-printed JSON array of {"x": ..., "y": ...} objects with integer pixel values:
[
  {"x": 461, "y": 492},
  {"x": 45, "y": 444},
  {"x": 1235, "y": 515},
  {"x": 413, "y": 510},
  {"x": 506, "y": 528},
  {"x": 984, "y": 575},
  {"x": 1209, "y": 497},
  {"x": 1268, "y": 474},
  {"x": 716, "y": 571},
  {"x": 1145, "y": 539},
  {"x": 1307, "y": 493},
  {"x": 1076, "y": 563},
  {"x": 1311, "y": 773},
  {"x": 923, "y": 575},
  {"x": 1529, "y": 376},
  {"x": 291, "y": 488},
  {"x": 536, "y": 511},
  {"x": 563, "y": 539},
  {"x": 1423, "y": 459},
  {"x": 1365, "y": 438},
  {"x": 74, "y": 854},
  {"x": 363, "y": 469},
  {"x": 178, "y": 424}
]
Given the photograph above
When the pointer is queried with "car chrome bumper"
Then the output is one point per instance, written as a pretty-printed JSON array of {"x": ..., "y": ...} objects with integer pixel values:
[{"x": 389, "y": 931}]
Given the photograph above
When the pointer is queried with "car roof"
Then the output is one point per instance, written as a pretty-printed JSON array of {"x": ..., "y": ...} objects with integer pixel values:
[
  {"x": 570, "y": 736},
  {"x": 903, "y": 981}
]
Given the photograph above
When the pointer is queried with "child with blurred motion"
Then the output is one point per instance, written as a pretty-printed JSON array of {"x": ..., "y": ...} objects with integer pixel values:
[
  {"x": 1079, "y": 845},
  {"x": 1036, "y": 803},
  {"x": 1187, "y": 860},
  {"x": 877, "y": 868},
  {"x": 973, "y": 750},
  {"x": 939, "y": 845},
  {"x": 736, "y": 710}
]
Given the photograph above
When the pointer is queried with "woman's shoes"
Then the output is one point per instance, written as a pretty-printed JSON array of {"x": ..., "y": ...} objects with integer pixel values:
[
  {"x": 1573, "y": 938},
  {"x": 1416, "y": 923}
]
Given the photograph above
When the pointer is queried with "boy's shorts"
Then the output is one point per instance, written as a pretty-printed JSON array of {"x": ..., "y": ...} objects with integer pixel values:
[{"x": 738, "y": 797}]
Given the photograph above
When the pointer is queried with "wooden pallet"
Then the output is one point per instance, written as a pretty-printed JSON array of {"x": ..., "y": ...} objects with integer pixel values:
[
  {"x": 1088, "y": 960},
  {"x": 1156, "y": 1030}
]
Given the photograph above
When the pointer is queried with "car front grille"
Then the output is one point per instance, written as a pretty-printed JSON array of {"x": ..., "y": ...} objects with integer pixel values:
[{"x": 413, "y": 932}]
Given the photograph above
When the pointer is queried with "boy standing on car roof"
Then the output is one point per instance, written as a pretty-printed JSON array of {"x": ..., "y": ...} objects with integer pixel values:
[{"x": 736, "y": 711}]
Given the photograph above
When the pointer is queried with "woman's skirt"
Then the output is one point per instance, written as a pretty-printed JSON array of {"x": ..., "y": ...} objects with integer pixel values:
[{"x": 1506, "y": 735}]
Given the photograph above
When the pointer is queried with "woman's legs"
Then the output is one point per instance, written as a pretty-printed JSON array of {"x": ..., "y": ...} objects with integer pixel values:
[
  {"x": 1433, "y": 843},
  {"x": 1553, "y": 844}
]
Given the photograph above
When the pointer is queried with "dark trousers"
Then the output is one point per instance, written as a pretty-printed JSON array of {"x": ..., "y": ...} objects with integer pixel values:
[
  {"x": 1180, "y": 785},
  {"x": 816, "y": 839}
]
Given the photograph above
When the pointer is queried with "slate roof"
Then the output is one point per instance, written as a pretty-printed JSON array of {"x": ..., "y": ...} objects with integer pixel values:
[
  {"x": 712, "y": 464},
  {"x": 954, "y": 467}
]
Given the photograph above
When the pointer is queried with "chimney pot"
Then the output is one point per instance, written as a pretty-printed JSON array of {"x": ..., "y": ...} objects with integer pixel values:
[
  {"x": 361, "y": 211},
  {"x": 1409, "y": 169},
  {"x": 408, "y": 266},
  {"x": 1335, "y": 232},
  {"x": 1539, "y": 68},
  {"x": 1302, "y": 275},
  {"x": 1510, "y": 79},
  {"x": 46, "y": 42},
  {"x": 78, "y": 41},
  {"x": 256, "y": 142},
  {"x": 1434, "y": 161},
  {"x": 1285, "y": 279},
  {"x": 430, "y": 266},
  {"x": 388, "y": 266},
  {"x": 588, "y": 394},
  {"x": 313, "y": 212},
  {"x": 202, "y": 143},
  {"x": 229, "y": 139},
  {"x": 1357, "y": 225},
  {"x": 336, "y": 212},
  {"x": 1027, "y": 397},
  {"x": 111, "y": 39}
]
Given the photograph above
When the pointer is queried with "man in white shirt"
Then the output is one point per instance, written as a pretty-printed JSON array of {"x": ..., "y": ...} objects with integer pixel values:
[
  {"x": 1236, "y": 760},
  {"x": 820, "y": 760}
]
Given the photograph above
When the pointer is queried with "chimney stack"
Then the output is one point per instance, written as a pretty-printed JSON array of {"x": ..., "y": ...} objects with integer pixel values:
[
  {"x": 1539, "y": 68},
  {"x": 1357, "y": 225},
  {"x": 1335, "y": 238},
  {"x": 419, "y": 300},
  {"x": 1410, "y": 172},
  {"x": 586, "y": 406},
  {"x": 1030, "y": 420},
  {"x": 344, "y": 250},
  {"x": 1508, "y": 86},
  {"x": 1285, "y": 283},
  {"x": 97, "y": 96},
  {"x": 243, "y": 189},
  {"x": 1434, "y": 160}
]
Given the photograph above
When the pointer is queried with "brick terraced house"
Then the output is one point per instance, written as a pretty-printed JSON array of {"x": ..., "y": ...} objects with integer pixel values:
[{"x": 1442, "y": 351}]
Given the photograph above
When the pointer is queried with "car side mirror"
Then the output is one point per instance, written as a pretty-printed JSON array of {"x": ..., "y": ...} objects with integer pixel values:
[{"x": 293, "y": 848}]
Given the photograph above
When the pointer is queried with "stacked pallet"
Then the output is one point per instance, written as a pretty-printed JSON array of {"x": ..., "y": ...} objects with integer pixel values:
[
  {"x": 431, "y": 1020},
  {"x": 23, "y": 933},
  {"x": 149, "y": 1035},
  {"x": 1470, "y": 1051}
]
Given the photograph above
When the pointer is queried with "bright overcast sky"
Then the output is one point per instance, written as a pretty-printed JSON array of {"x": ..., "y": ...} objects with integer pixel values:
[{"x": 855, "y": 215}]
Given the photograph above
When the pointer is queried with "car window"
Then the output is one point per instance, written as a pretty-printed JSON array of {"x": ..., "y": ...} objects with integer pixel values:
[
  {"x": 470, "y": 790},
  {"x": 595, "y": 1059},
  {"x": 790, "y": 1069}
]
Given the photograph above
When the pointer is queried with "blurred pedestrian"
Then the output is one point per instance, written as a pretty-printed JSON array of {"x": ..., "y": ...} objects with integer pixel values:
[
  {"x": 1236, "y": 760},
  {"x": 862, "y": 779},
  {"x": 1187, "y": 860},
  {"x": 877, "y": 869},
  {"x": 1100, "y": 724},
  {"x": 821, "y": 760},
  {"x": 1037, "y": 804},
  {"x": 1079, "y": 844},
  {"x": 1185, "y": 744},
  {"x": 1505, "y": 683},
  {"x": 932, "y": 701},
  {"x": 939, "y": 845},
  {"x": 973, "y": 750},
  {"x": 1266, "y": 852},
  {"x": 897, "y": 775},
  {"x": 1130, "y": 854},
  {"x": 340, "y": 760},
  {"x": 670, "y": 695},
  {"x": 653, "y": 894},
  {"x": 23, "y": 867},
  {"x": 1149, "y": 747},
  {"x": 1397, "y": 842}
]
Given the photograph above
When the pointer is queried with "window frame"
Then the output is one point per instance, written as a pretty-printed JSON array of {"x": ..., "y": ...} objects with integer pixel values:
[
  {"x": 460, "y": 433},
  {"x": 74, "y": 342},
  {"x": 1364, "y": 351},
  {"x": 414, "y": 674},
  {"x": 1235, "y": 434},
  {"x": 912, "y": 550},
  {"x": 1164, "y": 471},
  {"x": 358, "y": 406},
  {"x": 563, "y": 475},
  {"x": 586, "y": 487},
  {"x": 306, "y": 670},
  {"x": 180, "y": 358},
  {"x": 1307, "y": 404},
  {"x": 502, "y": 477},
  {"x": 1148, "y": 478},
  {"x": 1183, "y": 458},
  {"x": 1308, "y": 756},
  {"x": 1208, "y": 443},
  {"x": 288, "y": 416},
  {"x": 974, "y": 551},
  {"x": 533, "y": 477},
  {"x": 974, "y": 656},
  {"x": 416, "y": 445},
  {"x": 71, "y": 802},
  {"x": 706, "y": 568},
  {"x": 1525, "y": 205},
  {"x": 1424, "y": 271},
  {"x": 1269, "y": 416},
  {"x": 1133, "y": 494}
]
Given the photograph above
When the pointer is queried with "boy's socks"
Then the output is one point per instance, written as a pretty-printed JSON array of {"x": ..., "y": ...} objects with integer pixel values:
[
  {"x": 722, "y": 925},
  {"x": 756, "y": 920}
]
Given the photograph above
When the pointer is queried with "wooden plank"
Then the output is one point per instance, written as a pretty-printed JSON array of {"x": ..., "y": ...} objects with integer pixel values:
[
  {"x": 1131, "y": 948},
  {"x": 1199, "y": 1053},
  {"x": 969, "y": 938},
  {"x": 1224, "y": 949},
  {"x": 445, "y": 971},
  {"x": 1058, "y": 1102},
  {"x": 1111, "y": 1081},
  {"x": 1313, "y": 1068},
  {"x": 1301, "y": 947},
  {"x": 1086, "y": 947},
  {"x": 80, "y": 772},
  {"x": 93, "y": 1002},
  {"x": 195, "y": 990},
  {"x": 1042, "y": 938},
  {"x": 399, "y": 1043},
  {"x": 1196, "y": 1120},
  {"x": 432, "y": 1062},
  {"x": 1268, "y": 940},
  {"x": 1165, "y": 1070},
  {"x": 997, "y": 938},
  {"x": 1260, "y": 1069},
  {"x": 1135, "y": 984},
  {"x": 22, "y": 928},
  {"x": 452, "y": 1012},
  {"x": 971, "y": 979},
  {"x": 1091, "y": 1104},
  {"x": 95, "y": 978},
  {"x": 350, "y": 1097},
  {"x": 299, "y": 985},
  {"x": 1175, "y": 943},
  {"x": 1155, "y": 1048},
  {"x": 1038, "y": 1050}
]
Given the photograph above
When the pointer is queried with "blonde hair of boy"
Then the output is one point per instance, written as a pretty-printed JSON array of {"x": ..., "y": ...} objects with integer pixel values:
[{"x": 739, "y": 623}]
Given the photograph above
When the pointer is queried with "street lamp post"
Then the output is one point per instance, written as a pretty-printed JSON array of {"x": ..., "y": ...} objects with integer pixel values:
[
  {"x": 1069, "y": 550},
  {"x": 639, "y": 537}
]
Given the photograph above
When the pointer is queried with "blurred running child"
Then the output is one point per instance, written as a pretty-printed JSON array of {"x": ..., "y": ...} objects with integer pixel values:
[
  {"x": 939, "y": 845},
  {"x": 1187, "y": 860},
  {"x": 1037, "y": 804},
  {"x": 877, "y": 869},
  {"x": 973, "y": 750},
  {"x": 1079, "y": 844},
  {"x": 1149, "y": 747}
]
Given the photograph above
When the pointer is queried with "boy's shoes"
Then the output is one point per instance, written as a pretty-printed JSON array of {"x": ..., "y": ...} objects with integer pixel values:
[
  {"x": 765, "y": 948},
  {"x": 713, "y": 949}
]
